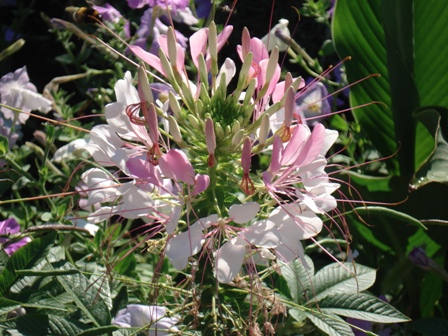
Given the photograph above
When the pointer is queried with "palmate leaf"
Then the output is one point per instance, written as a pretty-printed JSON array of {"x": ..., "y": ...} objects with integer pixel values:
[
  {"x": 361, "y": 306},
  {"x": 298, "y": 278},
  {"x": 331, "y": 324},
  {"x": 345, "y": 278}
]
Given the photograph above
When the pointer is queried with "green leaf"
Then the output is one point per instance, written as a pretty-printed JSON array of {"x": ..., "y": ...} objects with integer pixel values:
[
  {"x": 120, "y": 301},
  {"x": 85, "y": 296},
  {"x": 127, "y": 263},
  {"x": 4, "y": 146},
  {"x": 357, "y": 32},
  {"x": 26, "y": 257},
  {"x": 298, "y": 315},
  {"x": 342, "y": 278},
  {"x": 431, "y": 294},
  {"x": 30, "y": 272},
  {"x": 361, "y": 306},
  {"x": 332, "y": 325},
  {"x": 298, "y": 278},
  {"x": 401, "y": 40},
  {"x": 40, "y": 324}
]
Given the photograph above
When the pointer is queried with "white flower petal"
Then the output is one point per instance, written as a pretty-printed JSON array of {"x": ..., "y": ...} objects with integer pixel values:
[
  {"x": 69, "y": 151},
  {"x": 171, "y": 224},
  {"x": 181, "y": 247},
  {"x": 101, "y": 214},
  {"x": 101, "y": 186},
  {"x": 229, "y": 259},
  {"x": 34, "y": 101},
  {"x": 271, "y": 40},
  {"x": 262, "y": 233},
  {"x": 136, "y": 202},
  {"x": 243, "y": 213}
]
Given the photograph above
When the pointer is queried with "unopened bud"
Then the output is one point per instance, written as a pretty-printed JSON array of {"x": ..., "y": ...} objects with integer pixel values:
[
  {"x": 236, "y": 126},
  {"x": 174, "y": 130},
  {"x": 236, "y": 140},
  {"x": 144, "y": 90},
  {"x": 264, "y": 130},
  {"x": 174, "y": 104},
  {"x": 194, "y": 122},
  {"x": 220, "y": 134}
]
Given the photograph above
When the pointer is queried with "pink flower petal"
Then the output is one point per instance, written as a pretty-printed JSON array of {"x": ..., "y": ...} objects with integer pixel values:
[
  {"x": 201, "y": 183},
  {"x": 198, "y": 44},
  {"x": 147, "y": 57},
  {"x": 313, "y": 146},
  {"x": 175, "y": 165}
]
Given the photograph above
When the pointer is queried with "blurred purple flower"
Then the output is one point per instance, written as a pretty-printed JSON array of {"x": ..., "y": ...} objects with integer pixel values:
[
  {"x": 172, "y": 5},
  {"x": 108, "y": 12},
  {"x": 312, "y": 103},
  {"x": 203, "y": 8},
  {"x": 419, "y": 258},
  {"x": 330, "y": 9},
  {"x": 5, "y": 3},
  {"x": 17, "y": 91},
  {"x": 137, "y": 3},
  {"x": 153, "y": 29},
  {"x": 178, "y": 9},
  {"x": 10, "y": 34},
  {"x": 8, "y": 227},
  {"x": 5, "y": 130}
]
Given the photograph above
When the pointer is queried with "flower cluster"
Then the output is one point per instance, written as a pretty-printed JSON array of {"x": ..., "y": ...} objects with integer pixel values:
[{"x": 186, "y": 156}]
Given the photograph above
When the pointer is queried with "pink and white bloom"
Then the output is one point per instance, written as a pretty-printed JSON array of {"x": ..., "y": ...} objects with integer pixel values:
[
  {"x": 129, "y": 200},
  {"x": 186, "y": 244},
  {"x": 258, "y": 236},
  {"x": 294, "y": 222}
]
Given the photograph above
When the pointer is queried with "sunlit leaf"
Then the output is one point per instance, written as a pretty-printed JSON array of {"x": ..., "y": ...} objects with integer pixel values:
[
  {"x": 342, "y": 278},
  {"x": 332, "y": 325},
  {"x": 361, "y": 306},
  {"x": 298, "y": 278}
]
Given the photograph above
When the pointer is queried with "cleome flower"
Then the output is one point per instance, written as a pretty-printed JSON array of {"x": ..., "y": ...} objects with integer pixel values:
[{"x": 187, "y": 159}]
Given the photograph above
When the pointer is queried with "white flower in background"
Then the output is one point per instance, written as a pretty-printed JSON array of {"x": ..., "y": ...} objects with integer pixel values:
[
  {"x": 70, "y": 151},
  {"x": 153, "y": 317},
  {"x": 271, "y": 40},
  {"x": 80, "y": 223},
  {"x": 17, "y": 91}
]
